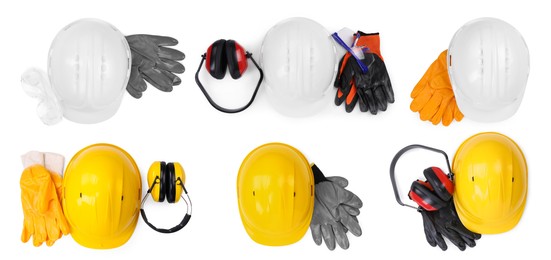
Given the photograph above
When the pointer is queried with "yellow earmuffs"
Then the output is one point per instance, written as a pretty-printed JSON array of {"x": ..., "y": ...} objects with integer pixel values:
[{"x": 166, "y": 180}]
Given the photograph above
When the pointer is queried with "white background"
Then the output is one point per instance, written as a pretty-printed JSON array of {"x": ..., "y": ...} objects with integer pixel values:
[{"x": 182, "y": 126}]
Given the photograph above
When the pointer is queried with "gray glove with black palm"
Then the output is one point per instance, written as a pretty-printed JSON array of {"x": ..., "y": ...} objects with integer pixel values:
[
  {"x": 335, "y": 211},
  {"x": 153, "y": 62}
]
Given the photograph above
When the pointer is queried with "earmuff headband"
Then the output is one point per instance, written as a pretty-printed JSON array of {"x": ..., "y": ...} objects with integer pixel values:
[
  {"x": 182, "y": 223},
  {"x": 395, "y": 160},
  {"x": 218, "y": 107}
]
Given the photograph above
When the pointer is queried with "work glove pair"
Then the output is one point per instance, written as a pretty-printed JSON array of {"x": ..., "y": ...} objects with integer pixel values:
[
  {"x": 336, "y": 211},
  {"x": 369, "y": 86},
  {"x": 433, "y": 96},
  {"x": 444, "y": 222},
  {"x": 154, "y": 62},
  {"x": 41, "y": 192}
]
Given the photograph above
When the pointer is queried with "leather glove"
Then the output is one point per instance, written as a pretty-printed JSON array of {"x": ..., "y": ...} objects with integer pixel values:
[
  {"x": 446, "y": 223},
  {"x": 373, "y": 88},
  {"x": 153, "y": 62},
  {"x": 335, "y": 211},
  {"x": 40, "y": 198},
  {"x": 44, "y": 219},
  {"x": 433, "y": 96}
]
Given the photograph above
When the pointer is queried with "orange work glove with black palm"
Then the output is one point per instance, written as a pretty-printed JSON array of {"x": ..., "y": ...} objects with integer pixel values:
[
  {"x": 433, "y": 96},
  {"x": 369, "y": 86},
  {"x": 40, "y": 199}
]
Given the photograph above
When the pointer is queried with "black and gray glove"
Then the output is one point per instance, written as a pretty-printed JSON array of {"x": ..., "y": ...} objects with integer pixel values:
[
  {"x": 335, "y": 211},
  {"x": 153, "y": 62}
]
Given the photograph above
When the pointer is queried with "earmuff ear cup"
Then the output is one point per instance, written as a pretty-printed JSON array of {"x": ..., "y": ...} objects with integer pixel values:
[
  {"x": 422, "y": 194},
  {"x": 440, "y": 182},
  {"x": 156, "y": 173},
  {"x": 180, "y": 176},
  {"x": 170, "y": 183},
  {"x": 216, "y": 60},
  {"x": 237, "y": 59}
]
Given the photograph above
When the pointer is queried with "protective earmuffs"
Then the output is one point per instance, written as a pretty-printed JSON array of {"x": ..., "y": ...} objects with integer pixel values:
[
  {"x": 225, "y": 55},
  {"x": 166, "y": 180},
  {"x": 434, "y": 193}
]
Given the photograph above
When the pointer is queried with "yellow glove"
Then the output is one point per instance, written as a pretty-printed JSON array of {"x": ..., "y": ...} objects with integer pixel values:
[
  {"x": 433, "y": 96},
  {"x": 44, "y": 219}
]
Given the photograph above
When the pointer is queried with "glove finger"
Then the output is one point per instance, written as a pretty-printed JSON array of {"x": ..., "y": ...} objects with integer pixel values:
[
  {"x": 350, "y": 223},
  {"x": 362, "y": 103},
  {"x": 440, "y": 113},
  {"x": 447, "y": 117},
  {"x": 53, "y": 231},
  {"x": 173, "y": 78},
  {"x": 28, "y": 229},
  {"x": 454, "y": 237},
  {"x": 457, "y": 115},
  {"x": 463, "y": 231},
  {"x": 158, "y": 79},
  {"x": 387, "y": 87},
  {"x": 316, "y": 233},
  {"x": 340, "y": 236},
  {"x": 40, "y": 234},
  {"x": 161, "y": 40},
  {"x": 328, "y": 236},
  {"x": 381, "y": 99},
  {"x": 371, "y": 101},
  {"x": 339, "y": 97},
  {"x": 428, "y": 227},
  {"x": 136, "y": 81},
  {"x": 171, "y": 54},
  {"x": 171, "y": 66},
  {"x": 341, "y": 181},
  {"x": 134, "y": 93},
  {"x": 351, "y": 210},
  {"x": 430, "y": 109},
  {"x": 351, "y": 99},
  {"x": 61, "y": 221}
]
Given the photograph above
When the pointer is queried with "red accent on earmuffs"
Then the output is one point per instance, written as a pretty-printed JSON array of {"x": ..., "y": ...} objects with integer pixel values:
[
  {"x": 208, "y": 58},
  {"x": 444, "y": 179},
  {"x": 413, "y": 196},
  {"x": 241, "y": 58}
]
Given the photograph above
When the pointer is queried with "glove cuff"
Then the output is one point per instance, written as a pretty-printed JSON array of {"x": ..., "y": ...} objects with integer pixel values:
[
  {"x": 318, "y": 175},
  {"x": 371, "y": 41}
]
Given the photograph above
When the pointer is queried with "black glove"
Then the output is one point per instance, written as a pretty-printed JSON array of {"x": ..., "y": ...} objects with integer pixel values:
[
  {"x": 154, "y": 63},
  {"x": 375, "y": 91},
  {"x": 373, "y": 88},
  {"x": 446, "y": 223}
]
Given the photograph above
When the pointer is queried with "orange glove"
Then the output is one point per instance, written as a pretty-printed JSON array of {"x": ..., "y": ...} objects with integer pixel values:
[
  {"x": 44, "y": 219},
  {"x": 433, "y": 96}
]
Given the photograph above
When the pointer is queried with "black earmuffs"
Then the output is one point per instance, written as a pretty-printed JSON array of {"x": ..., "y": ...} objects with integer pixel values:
[{"x": 166, "y": 180}]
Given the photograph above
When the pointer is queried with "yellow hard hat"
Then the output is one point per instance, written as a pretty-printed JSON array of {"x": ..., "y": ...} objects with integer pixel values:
[
  {"x": 491, "y": 183},
  {"x": 101, "y": 196},
  {"x": 275, "y": 192}
]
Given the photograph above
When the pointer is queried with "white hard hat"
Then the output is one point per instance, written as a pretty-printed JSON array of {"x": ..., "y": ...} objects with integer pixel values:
[
  {"x": 488, "y": 64},
  {"x": 299, "y": 61},
  {"x": 89, "y": 67}
]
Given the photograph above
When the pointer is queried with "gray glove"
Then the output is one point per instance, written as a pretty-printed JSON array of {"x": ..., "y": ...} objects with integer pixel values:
[
  {"x": 335, "y": 211},
  {"x": 154, "y": 63}
]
